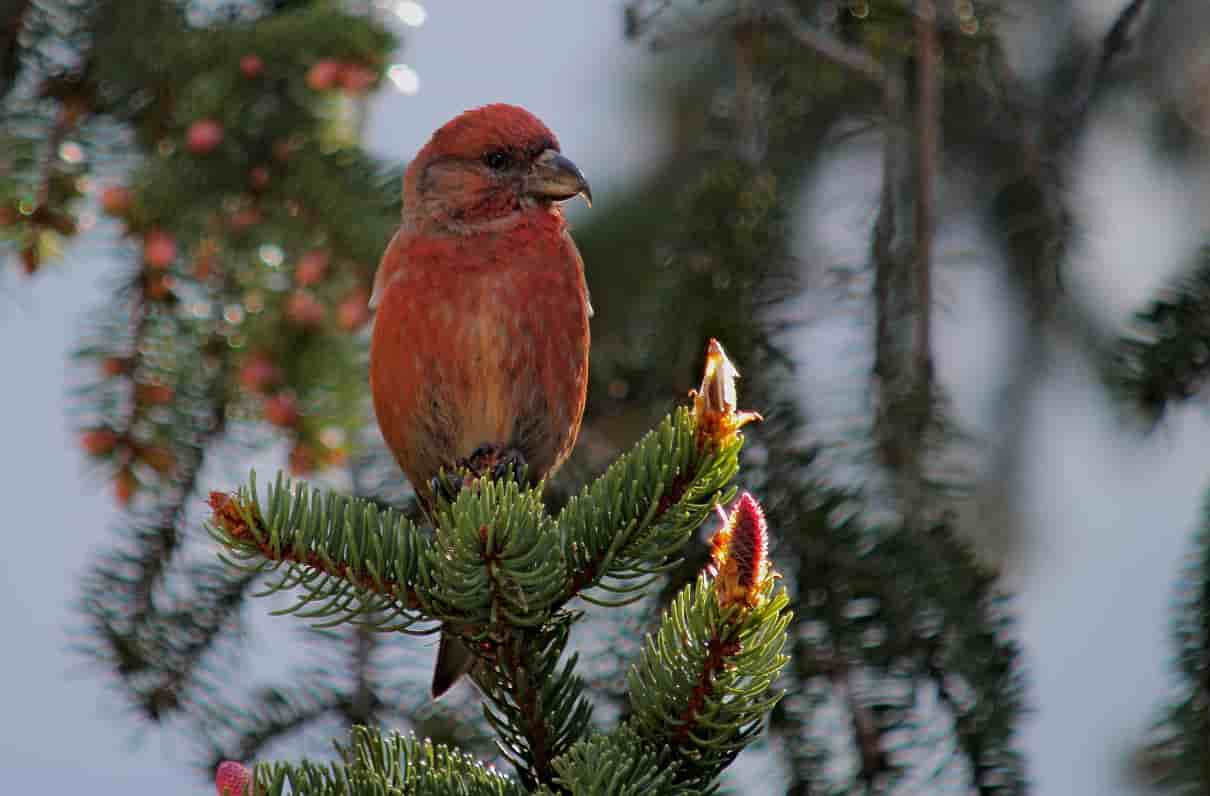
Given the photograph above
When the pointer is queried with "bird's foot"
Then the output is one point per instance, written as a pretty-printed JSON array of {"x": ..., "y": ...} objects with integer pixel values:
[
  {"x": 494, "y": 461},
  {"x": 446, "y": 486},
  {"x": 482, "y": 459},
  {"x": 510, "y": 463}
]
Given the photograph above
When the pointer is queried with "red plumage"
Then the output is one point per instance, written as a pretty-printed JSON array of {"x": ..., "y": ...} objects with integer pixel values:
[
  {"x": 482, "y": 337},
  {"x": 475, "y": 132}
]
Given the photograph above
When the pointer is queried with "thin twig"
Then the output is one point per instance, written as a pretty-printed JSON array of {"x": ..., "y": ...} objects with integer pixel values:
[
  {"x": 902, "y": 290},
  {"x": 866, "y": 735},
  {"x": 636, "y": 21},
  {"x": 885, "y": 228},
  {"x": 64, "y": 123},
  {"x": 838, "y": 52},
  {"x": 927, "y": 134},
  {"x": 745, "y": 109},
  {"x": 1115, "y": 42},
  {"x": 888, "y": 285},
  {"x": 363, "y": 702}
]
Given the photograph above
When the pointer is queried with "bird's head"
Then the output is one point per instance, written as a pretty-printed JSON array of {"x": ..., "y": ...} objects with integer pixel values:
[{"x": 486, "y": 166}]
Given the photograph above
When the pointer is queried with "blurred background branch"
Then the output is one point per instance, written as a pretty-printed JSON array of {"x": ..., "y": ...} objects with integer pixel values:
[{"x": 836, "y": 189}]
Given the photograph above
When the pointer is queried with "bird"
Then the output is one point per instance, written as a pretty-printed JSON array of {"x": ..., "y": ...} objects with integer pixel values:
[{"x": 479, "y": 350}]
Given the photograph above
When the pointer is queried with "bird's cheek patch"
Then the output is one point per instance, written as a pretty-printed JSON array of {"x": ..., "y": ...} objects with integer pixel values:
[{"x": 451, "y": 178}]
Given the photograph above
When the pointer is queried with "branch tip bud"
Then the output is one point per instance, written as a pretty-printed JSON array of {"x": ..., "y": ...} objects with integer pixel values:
[
  {"x": 227, "y": 514},
  {"x": 714, "y": 402}
]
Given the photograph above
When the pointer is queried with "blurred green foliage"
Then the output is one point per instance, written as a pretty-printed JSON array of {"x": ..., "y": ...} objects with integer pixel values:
[{"x": 899, "y": 628}]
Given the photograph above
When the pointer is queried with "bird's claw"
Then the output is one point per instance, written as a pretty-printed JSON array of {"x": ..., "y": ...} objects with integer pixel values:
[
  {"x": 510, "y": 464},
  {"x": 481, "y": 459},
  {"x": 446, "y": 486},
  {"x": 485, "y": 461}
]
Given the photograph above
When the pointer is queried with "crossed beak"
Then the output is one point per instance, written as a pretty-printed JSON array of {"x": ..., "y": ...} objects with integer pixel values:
[{"x": 554, "y": 177}]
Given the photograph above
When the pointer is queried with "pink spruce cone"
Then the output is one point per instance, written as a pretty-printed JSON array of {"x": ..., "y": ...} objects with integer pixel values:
[{"x": 232, "y": 779}]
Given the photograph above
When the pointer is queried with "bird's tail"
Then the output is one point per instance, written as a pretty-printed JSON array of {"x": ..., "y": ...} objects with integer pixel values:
[{"x": 453, "y": 661}]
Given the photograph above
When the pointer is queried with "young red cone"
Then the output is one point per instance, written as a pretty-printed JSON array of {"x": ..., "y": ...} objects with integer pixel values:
[
  {"x": 232, "y": 779},
  {"x": 739, "y": 555}
]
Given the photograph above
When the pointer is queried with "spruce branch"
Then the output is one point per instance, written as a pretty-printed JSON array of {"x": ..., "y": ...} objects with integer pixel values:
[
  {"x": 351, "y": 561},
  {"x": 619, "y": 763},
  {"x": 1202, "y": 668},
  {"x": 492, "y": 560},
  {"x": 710, "y": 670},
  {"x": 971, "y": 663},
  {"x": 630, "y": 524},
  {"x": 1176, "y": 757},
  {"x": 538, "y": 709},
  {"x": 374, "y": 764},
  {"x": 1166, "y": 357},
  {"x": 495, "y": 558},
  {"x": 154, "y": 639},
  {"x": 265, "y": 715},
  {"x": 633, "y": 520},
  {"x": 901, "y": 628},
  {"x": 701, "y": 687},
  {"x": 157, "y": 649},
  {"x": 496, "y": 578},
  {"x": 353, "y": 676},
  {"x": 490, "y": 575}
]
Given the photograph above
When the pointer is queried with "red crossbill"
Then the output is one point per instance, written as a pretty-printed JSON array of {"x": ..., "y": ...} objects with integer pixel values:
[{"x": 479, "y": 353}]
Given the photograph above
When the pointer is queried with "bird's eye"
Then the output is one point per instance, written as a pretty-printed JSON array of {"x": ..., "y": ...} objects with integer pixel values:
[{"x": 497, "y": 159}]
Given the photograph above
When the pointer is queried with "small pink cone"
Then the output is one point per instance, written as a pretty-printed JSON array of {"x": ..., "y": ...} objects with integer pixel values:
[
  {"x": 739, "y": 555},
  {"x": 232, "y": 778}
]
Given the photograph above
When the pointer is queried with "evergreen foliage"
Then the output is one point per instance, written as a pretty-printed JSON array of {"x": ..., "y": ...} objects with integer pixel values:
[
  {"x": 1166, "y": 359},
  {"x": 249, "y": 256},
  {"x": 1175, "y": 756},
  {"x": 222, "y": 140},
  {"x": 693, "y": 694},
  {"x": 377, "y": 765},
  {"x": 492, "y": 572}
]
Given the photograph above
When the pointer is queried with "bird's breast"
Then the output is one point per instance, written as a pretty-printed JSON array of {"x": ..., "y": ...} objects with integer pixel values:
[{"x": 481, "y": 344}]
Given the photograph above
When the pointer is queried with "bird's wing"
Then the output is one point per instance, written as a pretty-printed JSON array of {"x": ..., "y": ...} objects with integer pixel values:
[
  {"x": 575, "y": 252},
  {"x": 389, "y": 267}
]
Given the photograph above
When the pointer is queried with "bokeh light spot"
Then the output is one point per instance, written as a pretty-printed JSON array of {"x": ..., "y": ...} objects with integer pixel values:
[{"x": 404, "y": 78}]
